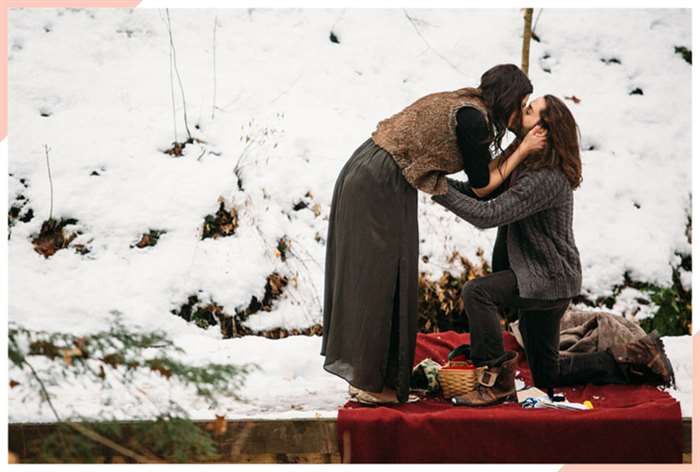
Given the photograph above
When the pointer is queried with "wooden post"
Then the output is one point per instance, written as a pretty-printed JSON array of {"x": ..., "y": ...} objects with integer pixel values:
[{"x": 527, "y": 35}]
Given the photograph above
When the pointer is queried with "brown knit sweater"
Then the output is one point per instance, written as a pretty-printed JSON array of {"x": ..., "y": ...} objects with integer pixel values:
[
  {"x": 538, "y": 209},
  {"x": 422, "y": 138}
]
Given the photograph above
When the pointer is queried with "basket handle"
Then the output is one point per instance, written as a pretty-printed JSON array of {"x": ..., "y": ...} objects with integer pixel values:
[{"x": 465, "y": 349}]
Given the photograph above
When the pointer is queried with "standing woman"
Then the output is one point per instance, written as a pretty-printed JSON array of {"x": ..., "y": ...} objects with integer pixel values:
[{"x": 371, "y": 274}]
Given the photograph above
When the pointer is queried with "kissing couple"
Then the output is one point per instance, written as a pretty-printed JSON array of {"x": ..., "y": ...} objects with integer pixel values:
[{"x": 371, "y": 270}]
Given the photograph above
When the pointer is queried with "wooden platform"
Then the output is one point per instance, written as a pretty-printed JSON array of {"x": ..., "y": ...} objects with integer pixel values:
[{"x": 309, "y": 441}]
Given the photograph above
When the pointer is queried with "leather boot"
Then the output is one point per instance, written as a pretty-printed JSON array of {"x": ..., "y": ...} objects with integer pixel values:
[
  {"x": 645, "y": 360},
  {"x": 496, "y": 384}
]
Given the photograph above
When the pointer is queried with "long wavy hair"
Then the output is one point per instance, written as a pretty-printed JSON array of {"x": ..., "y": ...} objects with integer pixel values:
[
  {"x": 563, "y": 136},
  {"x": 502, "y": 89}
]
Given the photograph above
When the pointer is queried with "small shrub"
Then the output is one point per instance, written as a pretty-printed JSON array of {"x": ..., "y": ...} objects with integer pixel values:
[
  {"x": 223, "y": 223},
  {"x": 52, "y": 238},
  {"x": 149, "y": 239},
  {"x": 209, "y": 314},
  {"x": 674, "y": 314},
  {"x": 440, "y": 304},
  {"x": 282, "y": 248},
  {"x": 274, "y": 285},
  {"x": 177, "y": 147}
]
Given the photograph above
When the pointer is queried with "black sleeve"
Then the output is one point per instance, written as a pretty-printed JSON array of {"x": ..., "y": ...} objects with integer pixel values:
[
  {"x": 472, "y": 133},
  {"x": 466, "y": 189}
]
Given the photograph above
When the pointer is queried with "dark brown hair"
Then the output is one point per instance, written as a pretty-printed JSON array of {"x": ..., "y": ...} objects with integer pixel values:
[
  {"x": 562, "y": 148},
  {"x": 503, "y": 88}
]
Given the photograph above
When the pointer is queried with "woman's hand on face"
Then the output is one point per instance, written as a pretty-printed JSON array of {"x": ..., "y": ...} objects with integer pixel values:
[{"x": 535, "y": 140}]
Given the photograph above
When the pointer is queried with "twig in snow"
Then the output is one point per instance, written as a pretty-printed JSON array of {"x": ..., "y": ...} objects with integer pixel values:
[
  {"x": 287, "y": 89},
  {"x": 340, "y": 17},
  {"x": 172, "y": 85},
  {"x": 213, "y": 104},
  {"x": 177, "y": 72},
  {"x": 223, "y": 108},
  {"x": 314, "y": 290},
  {"x": 436, "y": 52},
  {"x": 534, "y": 26},
  {"x": 43, "y": 388},
  {"x": 172, "y": 95},
  {"x": 46, "y": 149}
]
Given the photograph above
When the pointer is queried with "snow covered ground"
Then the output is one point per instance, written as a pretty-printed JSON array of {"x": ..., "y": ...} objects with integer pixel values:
[
  {"x": 289, "y": 384},
  {"x": 291, "y": 107}
]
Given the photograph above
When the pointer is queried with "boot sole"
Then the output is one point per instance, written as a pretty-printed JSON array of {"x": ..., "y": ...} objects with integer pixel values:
[
  {"x": 671, "y": 381},
  {"x": 512, "y": 398},
  {"x": 370, "y": 401}
]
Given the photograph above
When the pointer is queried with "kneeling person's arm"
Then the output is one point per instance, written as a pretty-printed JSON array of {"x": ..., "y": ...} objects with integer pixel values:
[{"x": 533, "y": 192}]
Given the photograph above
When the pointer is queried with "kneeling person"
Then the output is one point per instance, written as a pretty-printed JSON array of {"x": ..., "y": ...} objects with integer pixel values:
[{"x": 543, "y": 272}]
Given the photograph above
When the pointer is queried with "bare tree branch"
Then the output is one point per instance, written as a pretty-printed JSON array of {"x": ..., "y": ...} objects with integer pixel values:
[
  {"x": 534, "y": 26},
  {"x": 213, "y": 104},
  {"x": 437, "y": 53},
  {"x": 177, "y": 72},
  {"x": 83, "y": 429}
]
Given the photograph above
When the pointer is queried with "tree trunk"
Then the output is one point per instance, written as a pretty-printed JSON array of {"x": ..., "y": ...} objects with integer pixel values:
[{"x": 527, "y": 35}]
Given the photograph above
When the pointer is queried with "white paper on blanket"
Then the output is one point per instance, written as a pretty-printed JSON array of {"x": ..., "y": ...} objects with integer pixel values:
[
  {"x": 532, "y": 392},
  {"x": 545, "y": 402}
]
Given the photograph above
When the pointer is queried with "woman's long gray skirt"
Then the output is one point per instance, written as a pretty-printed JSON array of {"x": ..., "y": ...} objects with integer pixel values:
[{"x": 371, "y": 276}]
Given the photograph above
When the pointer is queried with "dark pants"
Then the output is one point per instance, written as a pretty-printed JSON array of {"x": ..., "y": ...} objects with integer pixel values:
[{"x": 539, "y": 327}]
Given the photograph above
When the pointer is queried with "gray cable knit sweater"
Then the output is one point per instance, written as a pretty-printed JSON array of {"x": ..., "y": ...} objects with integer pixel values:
[{"x": 538, "y": 209}]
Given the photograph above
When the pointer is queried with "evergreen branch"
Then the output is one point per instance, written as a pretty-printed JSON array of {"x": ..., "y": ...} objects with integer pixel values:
[
  {"x": 82, "y": 429},
  {"x": 172, "y": 437}
]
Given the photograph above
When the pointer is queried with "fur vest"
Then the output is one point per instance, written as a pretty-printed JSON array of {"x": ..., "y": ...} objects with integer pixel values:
[{"x": 422, "y": 138}]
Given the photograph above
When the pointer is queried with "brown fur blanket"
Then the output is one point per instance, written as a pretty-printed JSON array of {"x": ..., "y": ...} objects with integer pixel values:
[{"x": 590, "y": 331}]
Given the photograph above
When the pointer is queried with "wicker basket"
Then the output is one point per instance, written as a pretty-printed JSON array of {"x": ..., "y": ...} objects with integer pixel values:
[{"x": 455, "y": 382}]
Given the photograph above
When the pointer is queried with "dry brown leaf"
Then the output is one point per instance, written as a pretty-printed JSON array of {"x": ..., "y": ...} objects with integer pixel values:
[
  {"x": 80, "y": 343},
  {"x": 165, "y": 372},
  {"x": 145, "y": 241},
  {"x": 276, "y": 283},
  {"x": 69, "y": 354},
  {"x": 218, "y": 426}
]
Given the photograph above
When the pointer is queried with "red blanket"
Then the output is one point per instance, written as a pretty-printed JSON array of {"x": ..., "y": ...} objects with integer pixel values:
[{"x": 629, "y": 423}]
